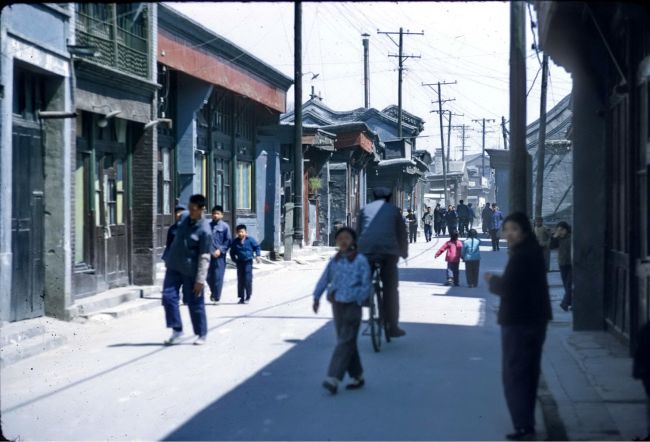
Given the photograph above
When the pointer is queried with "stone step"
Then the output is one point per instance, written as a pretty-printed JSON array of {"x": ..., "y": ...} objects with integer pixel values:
[
  {"x": 125, "y": 309},
  {"x": 18, "y": 331},
  {"x": 25, "y": 348},
  {"x": 107, "y": 300}
]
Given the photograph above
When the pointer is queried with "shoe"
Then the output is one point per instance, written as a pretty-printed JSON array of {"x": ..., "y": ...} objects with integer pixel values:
[
  {"x": 521, "y": 435},
  {"x": 200, "y": 340},
  {"x": 174, "y": 338},
  {"x": 248, "y": 299},
  {"x": 355, "y": 384},
  {"x": 330, "y": 386},
  {"x": 456, "y": 285},
  {"x": 241, "y": 301},
  {"x": 564, "y": 306},
  {"x": 213, "y": 299},
  {"x": 398, "y": 333}
]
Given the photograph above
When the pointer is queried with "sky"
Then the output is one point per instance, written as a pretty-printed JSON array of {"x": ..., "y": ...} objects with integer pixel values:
[{"x": 466, "y": 42}]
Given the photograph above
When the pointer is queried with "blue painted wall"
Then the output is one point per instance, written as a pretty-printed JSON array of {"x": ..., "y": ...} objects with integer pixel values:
[
  {"x": 267, "y": 191},
  {"x": 41, "y": 24}
]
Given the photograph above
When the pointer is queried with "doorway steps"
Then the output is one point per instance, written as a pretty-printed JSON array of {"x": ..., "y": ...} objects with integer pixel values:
[
  {"x": 23, "y": 339},
  {"x": 116, "y": 303}
]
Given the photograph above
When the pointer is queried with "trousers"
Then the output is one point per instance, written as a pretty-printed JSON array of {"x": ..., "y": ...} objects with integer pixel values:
[
  {"x": 463, "y": 226},
  {"x": 390, "y": 281},
  {"x": 347, "y": 320},
  {"x": 566, "y": 272},
  {"x": 427, "y": 232},
  {"x": 413, "y": 234},
  {"x": 171, "y": 297},
  {"x": 494, "y": 235},
  {"x": 216, "y": 273},
  {"x": 452, "y": 272},
  {"x": 521, "y": 347},
  {"x": 245, "y": 279},
  {"x": 471, "y": 272}
]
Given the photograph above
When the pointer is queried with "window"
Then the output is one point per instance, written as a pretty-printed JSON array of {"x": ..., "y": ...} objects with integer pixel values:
[
  {"x": 164, "y": 181},
  {"x": 244, "y": 185},
  {"x": 221, "y": 183},
  {"x": 80, "y": 208},
  {"x": 29, "y": 94}
]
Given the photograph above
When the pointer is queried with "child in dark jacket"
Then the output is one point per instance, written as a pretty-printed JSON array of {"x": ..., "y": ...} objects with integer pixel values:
[
  {"x": 454, "y": 252},
  {"x": 243, "y": 250}
]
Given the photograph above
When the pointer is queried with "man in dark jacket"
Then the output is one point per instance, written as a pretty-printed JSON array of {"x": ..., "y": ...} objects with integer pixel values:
[
  {"x": 243, "y": 250},
  {"x": 221, "y": 240},
  {"x": 187, "y": 261},
  {"x": 412, "y": 223},
  {"x": 439, "y": 220},
  {"x": 383, "y": 239},
  {"x": 463, "y": 218},
  {"x": 561, "y": 240},
  {"x": 524, "y": 313},
  {"x": 451, "y": 219},
  {"x": 486, "y": 218}
]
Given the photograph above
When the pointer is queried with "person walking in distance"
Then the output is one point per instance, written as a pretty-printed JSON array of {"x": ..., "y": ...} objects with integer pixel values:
[
  {"x": 486, "y": 218},
  {"x": 463, "y": 218},
  {"x": 495, "y": 227},
  {"x": 383, "y": 239},
  {"x": 544, "y": 239},
  {"x": 188, "y": 261},
  {"x": 427, "y": 221},
  {"x": 347, "y": 282},
  {"x": 412, "y": 223},
  {"x": 451, "y": 219},
  {"x": 472, "y": 215},
  {"x": 561, "y": 240},
  {"x": 438, "y": 219},
  {"x": 243, "y": 250},
  {"x": 471, "y": 253},
  {"x": 221, "y": 239},
  {"x": 454, "y": 248},
  {"x": 524, "y": 313}
]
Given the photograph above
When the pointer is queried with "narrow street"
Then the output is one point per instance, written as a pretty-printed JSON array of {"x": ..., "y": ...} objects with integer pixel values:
[{"x": 259, "y": 375}]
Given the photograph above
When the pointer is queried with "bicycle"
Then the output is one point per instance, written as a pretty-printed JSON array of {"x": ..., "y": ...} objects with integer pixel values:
[{"x": 376, "y": 323}]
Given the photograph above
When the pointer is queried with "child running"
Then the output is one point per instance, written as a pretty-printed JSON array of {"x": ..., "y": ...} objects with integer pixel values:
[
  {"x": 347, "y": 281},
  {"x": 454, "y": 251}
]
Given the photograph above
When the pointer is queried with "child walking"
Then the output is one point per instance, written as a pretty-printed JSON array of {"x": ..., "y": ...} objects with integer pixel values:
[
  {"x": 347, "y": 281},
  {"x": 471, "y": 253},
  {"x": 242, "y": 251},
  {"x": 454, "y": 250}
]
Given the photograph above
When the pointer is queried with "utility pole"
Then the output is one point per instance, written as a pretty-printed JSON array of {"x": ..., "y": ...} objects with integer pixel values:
[
  {"x": 442, "y": 135},
  {"x": 505, "y": 132},
  {"x": 449, "y": 127},
  {"x": 298, "y": 179},
  {"x": 401, "y": 58},
  {"x": 518, "y": 155},
  {"x": 366, "y": 71},
  {"x": 539, "y": 184},
  {"x": 483, "y": 121},
  {"x": 463, "y": 137}
]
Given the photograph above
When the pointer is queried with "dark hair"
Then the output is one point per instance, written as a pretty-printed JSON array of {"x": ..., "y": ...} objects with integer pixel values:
[
  {"x": 564, "y": 225},
  {"x": 180, "y": 208},
  {"x": 494, "y": 205},
  {"x": 522, "y": 220},
  {"x": 198, "y": 199},
  {"x": 382, "y": 193},
  {"x": 469, "y": 204},
  {"x": 453, "y": 236},
  {"x": 217, "y": 209},
  {"x": 461, "y": 202},
  {"x": 472, "y": 233},
  {"x": 240, "y": 227},
  {"x": 349, "y": 230}
]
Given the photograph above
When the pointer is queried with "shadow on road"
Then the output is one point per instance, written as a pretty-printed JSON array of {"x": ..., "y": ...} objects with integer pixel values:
[
  {"x": 440, "y": 382},
  {"x": 426, "y": 275}
]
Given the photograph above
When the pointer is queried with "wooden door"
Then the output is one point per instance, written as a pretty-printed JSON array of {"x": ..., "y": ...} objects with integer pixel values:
[
  {"x": 642, "y": 173},
  {"x": 166, "y": 190},
  {"x": 28, "y": 270},
  {"x": 111, "y": 234}
]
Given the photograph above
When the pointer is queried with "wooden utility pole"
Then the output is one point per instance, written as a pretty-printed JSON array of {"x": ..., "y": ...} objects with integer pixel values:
[
  {"x": 463, "y": 137},
  {"x": 483, "y": 121},
  {"x": 298, "y": 179},
  {"x": 442, "y": 134},
  {"x": 539, "y": 184},
  {"x": 449, "y": 127},
  {"x": 401, "y": 58},
  {"x": 518, "y": 154},
  {"x": 366, "y": 71},
  {"x": 504, "y": 131}
]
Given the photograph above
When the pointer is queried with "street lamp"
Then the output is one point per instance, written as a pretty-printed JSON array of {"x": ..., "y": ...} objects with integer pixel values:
[{"x": 313, "y": 75}]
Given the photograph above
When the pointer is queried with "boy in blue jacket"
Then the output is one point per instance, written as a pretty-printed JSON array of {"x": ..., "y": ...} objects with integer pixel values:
[{"x": 243, "y": 250}]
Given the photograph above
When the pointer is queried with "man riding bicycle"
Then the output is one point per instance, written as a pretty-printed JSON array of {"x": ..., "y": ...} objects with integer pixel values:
[{"x": 383, "y": 239}]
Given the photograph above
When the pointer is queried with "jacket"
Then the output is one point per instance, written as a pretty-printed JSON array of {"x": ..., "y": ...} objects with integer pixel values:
[
  {"x": 438, "y": 215},
  {"x": 221, "y": 238},
  {"x": 244, "y": 251},
  {"x": 171, "y": 233},
  {"x": 563, "y": 246},
  {"x": 348, "y": 277},
  {"x": 427, "y": 218},
  {"x": 641, "y": 364},
  {"x": 523, "y": 287},
  {"x": 471, "y": 249},
  {"x": 463, "y": 211},
  {"x": 451, "y": 217},
  {"x": 412, "y": 222},
  {"x": 192, "y": 240},
  {"x": 486, "y": 216},
  {"x": 454, "y": 251},
  {"x": 381, "y": 230},
  {"x": 497, "y": 219}
]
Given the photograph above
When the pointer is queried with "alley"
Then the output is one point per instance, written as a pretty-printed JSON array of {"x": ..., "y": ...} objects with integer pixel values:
[{"x": 258, "y": 377}]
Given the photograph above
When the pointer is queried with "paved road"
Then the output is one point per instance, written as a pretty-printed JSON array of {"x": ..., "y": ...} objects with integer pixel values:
[{"x": 259, "y": 375}]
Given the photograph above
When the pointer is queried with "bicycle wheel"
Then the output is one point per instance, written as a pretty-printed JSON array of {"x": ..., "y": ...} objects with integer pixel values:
[
  {"x": 375, "y": 325},
  {"x": 381, "y": 318}
]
